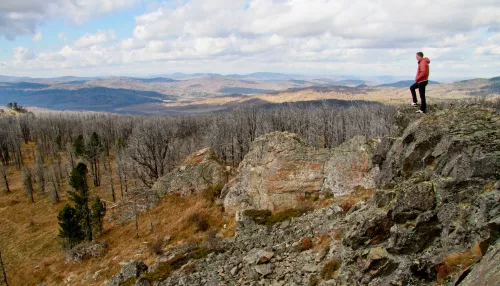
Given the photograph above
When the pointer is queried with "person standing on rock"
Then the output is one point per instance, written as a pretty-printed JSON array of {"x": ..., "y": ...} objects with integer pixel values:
[{"x": 420, "y": 82}]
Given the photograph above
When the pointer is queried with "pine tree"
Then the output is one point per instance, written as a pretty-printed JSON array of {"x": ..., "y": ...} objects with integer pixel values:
[
  {"x": 97, "y": 214},
  {"x": 70, "y": 226},
  {"x": 79, "y": 146},
  {"x": 80, "y": 196}
]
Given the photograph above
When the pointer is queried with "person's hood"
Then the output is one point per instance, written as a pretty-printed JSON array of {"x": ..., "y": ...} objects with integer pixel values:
[{"x": 425, "y": 59}]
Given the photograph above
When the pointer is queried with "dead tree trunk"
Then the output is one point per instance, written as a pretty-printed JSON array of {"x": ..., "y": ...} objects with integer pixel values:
[{"x": 2, "y": 268}]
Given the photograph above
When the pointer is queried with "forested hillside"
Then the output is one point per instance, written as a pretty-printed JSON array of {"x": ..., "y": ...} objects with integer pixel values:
[{"x": 39, "y": 150}]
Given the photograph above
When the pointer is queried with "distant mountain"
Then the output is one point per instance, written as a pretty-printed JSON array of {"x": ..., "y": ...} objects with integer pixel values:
[
  {"x": 23, "y": 85},
  {"x": 64, "y": 79},
  {"x": 404, "y": 83},
  {"x": 350, "y": 82},
  {"x": 155, "y": 79},
  {"x": 243, "y": 90},
  {"x": 96, "y": 98}
]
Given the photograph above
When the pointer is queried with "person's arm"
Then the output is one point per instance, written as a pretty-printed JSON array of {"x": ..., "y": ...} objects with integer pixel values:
[{"x": 423, "y": 69}]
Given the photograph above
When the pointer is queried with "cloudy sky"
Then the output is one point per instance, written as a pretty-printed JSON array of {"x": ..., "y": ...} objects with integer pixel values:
[{"x": 335, "y": 37}]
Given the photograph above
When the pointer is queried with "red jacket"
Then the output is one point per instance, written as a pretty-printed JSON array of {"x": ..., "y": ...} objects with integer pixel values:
[{"x": 423, "y": 70}]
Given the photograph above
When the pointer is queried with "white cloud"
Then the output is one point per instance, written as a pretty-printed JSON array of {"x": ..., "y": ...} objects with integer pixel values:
[
  {"x": 98, "y": 38},
  {"x": 38, "y": 37},
  {"x": 304, "y": 36},
  {"x": 21, "y": 17},
  {"x": 62, "y": 36},
  {"x": 22, "y": 54}
]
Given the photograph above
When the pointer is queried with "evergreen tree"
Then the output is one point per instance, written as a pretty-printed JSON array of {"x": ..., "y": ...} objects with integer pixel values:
[
  {"x": 78, "y": 180},
  {"x": 70, "y": 226},
  {"x": 97, "y": 214},
  {"x": 79, "y": 146}
]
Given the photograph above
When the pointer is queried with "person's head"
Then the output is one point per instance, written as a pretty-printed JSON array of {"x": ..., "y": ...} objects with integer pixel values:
[{"x": 419, "y": 56}]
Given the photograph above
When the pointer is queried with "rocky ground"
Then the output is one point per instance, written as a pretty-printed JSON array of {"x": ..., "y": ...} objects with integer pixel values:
[{"x": 434, "y": 218}]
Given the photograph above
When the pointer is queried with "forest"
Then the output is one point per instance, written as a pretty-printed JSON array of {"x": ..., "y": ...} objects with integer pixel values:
[{"x": 142, "y": 149}]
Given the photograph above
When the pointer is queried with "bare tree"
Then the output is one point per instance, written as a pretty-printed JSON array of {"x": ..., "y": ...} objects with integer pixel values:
[
  {"x": 107, "y": 168},
  {"x": 56, "y": 187},
  {"x": 2, "y": 268},
  {"x": 149, "y": 148},
  {"x": 28, "y": 183},
  {"x": 40, "y": 175},
  {"x": 3, "y": 174}
]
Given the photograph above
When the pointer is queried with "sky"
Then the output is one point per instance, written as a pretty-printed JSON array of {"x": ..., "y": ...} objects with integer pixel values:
[{"x": 317, "y": 37}]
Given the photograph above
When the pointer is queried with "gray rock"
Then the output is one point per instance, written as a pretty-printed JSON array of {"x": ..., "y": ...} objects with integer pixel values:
[
  {"x": 310, "y": 268},
  {"x": 258, "y": 256},
  {"x": 411, "y": 201},
  {"x": 486, "y": 272},
  {"x": 263, "y": 269},
  {"x": 132, "y": 269},
  {"x": 198, "y": 172}
]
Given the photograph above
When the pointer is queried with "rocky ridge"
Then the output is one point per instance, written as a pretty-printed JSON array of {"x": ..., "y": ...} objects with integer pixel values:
[{"x": 435, "y": 213}]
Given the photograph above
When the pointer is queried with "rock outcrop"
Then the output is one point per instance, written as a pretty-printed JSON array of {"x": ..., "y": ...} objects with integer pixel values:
[
  {"x": 350, "y": 165},
  {"x": 131, "y": 270},
  {"x": 280, "y": 168},
  {"x": 436, "y": 211},
  {"x": 487, "y": 271},
  {"x": 200, "y": 171}
]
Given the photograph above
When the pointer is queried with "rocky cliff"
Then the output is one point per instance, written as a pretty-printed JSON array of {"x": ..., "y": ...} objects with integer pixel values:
[
  {"x": 434, "y": 218},
  {"x": 281, "y": 169}
]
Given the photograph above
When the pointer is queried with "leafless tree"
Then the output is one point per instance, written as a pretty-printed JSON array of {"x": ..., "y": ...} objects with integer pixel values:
[
  {"x": 3, "y": 174},
  {"x": 149, "y": 148},
  {"x": 28, "y": 183},
  {"x": 2, "y": 268}
]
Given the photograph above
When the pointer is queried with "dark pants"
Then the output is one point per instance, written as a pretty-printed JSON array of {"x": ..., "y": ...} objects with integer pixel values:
[{"x": 421, "y": 90}]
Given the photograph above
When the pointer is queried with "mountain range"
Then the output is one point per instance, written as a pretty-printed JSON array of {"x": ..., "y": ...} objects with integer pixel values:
[{"x": 201, "y": 92}]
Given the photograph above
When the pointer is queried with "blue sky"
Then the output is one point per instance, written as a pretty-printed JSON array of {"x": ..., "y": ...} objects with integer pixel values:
[{"x": 148, "y": 37}]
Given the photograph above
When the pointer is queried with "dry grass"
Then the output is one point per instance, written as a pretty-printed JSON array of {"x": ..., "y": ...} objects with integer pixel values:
[
  {"x": 457, "y": 262},
  {"x": 29, "y": 232},
  {"x": 330, "y": 269},
  {"x": 304, "y": 244},
  {"x": 350, "y": 200},
  {"x": 323, "y": 241}
]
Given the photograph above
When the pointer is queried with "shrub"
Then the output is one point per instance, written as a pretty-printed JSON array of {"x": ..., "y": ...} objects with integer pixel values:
[
  {"x": 188, "y": 269},
  {"x": 304, "y": 244},
  {"x": 259, "y": 216},
  {"x": 266, "y": 217},
  {"x": 129, "y": 282},
  {"x": 323, "y": 242},
  {"x": 211, "y": 194},
  {"x": 199, "y": 221},
  {"x": 330, "y": 268},
  {"x": 313, "y": 280},
  {"x": 164, "y": 269},
  {"x": 156, "y": 246}
]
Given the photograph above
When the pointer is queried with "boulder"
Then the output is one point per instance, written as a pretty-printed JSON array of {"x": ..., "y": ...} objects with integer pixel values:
[
  {"x": 137, "y": 200},
  {"x": 281, "y": 167},
  {"x": 132, "y": 269},
  {"x": 258, "y": 256},
  {"x": 411, "y": 201},
  {"x": 350, "y": 165},
  {"x": 87, "y": 250},
  {"x": 199, "y": 171}
]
